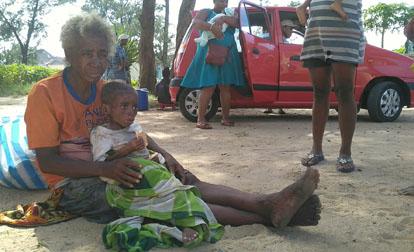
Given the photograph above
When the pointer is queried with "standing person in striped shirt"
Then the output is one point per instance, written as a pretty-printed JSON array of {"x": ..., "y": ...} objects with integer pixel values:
[{"x": 333, "y": 47}]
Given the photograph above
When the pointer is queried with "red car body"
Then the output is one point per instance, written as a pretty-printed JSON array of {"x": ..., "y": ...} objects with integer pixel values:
[{"x": 276, "y": 78}]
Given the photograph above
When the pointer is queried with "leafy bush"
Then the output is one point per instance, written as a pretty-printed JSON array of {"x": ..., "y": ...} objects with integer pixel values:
[{"x": 17, "y": 79}]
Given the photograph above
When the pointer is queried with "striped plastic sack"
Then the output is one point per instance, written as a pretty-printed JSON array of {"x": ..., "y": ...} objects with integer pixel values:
[{"x": 18, "y": 167}]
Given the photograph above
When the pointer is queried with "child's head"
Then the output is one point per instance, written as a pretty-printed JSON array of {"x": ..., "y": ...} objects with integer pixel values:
[{"x": 120, "y": 103}]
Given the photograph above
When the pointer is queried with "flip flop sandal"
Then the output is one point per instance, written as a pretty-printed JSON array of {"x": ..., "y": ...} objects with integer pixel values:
[
  {"x": 312, "y": 159},
  {"x": 203, "y": 125},
  {"x": 227, "y": 123},
  {"x": 345, "y": 164}
]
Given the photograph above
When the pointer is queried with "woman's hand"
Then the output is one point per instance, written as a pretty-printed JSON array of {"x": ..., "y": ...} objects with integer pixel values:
[
  {"x": 173, "y": 165},
  {"x": 122, "y": 170}
]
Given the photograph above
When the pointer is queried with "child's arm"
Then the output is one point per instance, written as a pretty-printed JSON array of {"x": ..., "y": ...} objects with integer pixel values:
[{"x": 135, "y": 144}]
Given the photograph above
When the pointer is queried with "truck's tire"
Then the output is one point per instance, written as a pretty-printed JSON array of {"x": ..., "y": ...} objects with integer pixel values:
[
  {"x": 385, "y": 102},
  {"x": 188, "y": 101}
]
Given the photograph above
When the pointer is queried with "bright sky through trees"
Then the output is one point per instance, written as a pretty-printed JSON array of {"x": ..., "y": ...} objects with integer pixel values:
[{"x": 58, "y": 17}]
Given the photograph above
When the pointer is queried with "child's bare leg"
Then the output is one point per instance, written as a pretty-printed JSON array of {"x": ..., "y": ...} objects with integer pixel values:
[
  {"x": 301, "y": 12},
  {"x": 337, "y": 7},
  {"x": 189, "y": 235}
]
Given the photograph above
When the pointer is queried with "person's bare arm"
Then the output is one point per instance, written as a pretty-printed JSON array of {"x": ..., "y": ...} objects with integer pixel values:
[
  {"x": 199, "y": 22},
  {"x": 135, "y": 144},
  {"x": 172, "y": 164},
  {"x": 122, "y": 170}
]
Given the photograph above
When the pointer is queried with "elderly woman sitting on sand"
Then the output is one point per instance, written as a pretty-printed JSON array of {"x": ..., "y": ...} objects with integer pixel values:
[{"x": 61, "y": 111}]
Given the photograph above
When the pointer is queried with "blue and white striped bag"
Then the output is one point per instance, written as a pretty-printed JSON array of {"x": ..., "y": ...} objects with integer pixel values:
[{"x": 16, "y": 160}]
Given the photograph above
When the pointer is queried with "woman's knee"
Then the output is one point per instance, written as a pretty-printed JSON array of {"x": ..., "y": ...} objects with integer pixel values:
[
  {"x": 344, "y": 92},
  {"x": 321, "y": 93}
]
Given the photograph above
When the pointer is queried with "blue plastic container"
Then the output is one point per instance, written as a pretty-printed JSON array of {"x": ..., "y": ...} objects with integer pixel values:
[{"x": 142, "y": 99}]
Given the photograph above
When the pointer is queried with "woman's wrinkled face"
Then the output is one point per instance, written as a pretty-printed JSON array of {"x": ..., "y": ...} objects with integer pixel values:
[
  {"x": 220, "y": 4},
  {"x": 122, "y": 110},
  {"x": 90, "y": 60}
]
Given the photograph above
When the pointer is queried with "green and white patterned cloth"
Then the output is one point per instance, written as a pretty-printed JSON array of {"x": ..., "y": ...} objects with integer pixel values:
[{"x": 169, "y": 204}]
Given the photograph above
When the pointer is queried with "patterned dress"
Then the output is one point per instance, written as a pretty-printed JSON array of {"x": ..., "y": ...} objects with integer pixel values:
[
  {"x": 329, "y": 37},
  {"x": 200, "y": 74}
]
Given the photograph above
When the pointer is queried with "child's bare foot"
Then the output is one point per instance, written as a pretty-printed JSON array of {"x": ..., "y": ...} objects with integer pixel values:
[
  {"x": 287, "y": 202},
  {"x": 189, "y": 235},
  {"x": 338, "y": 9},
  {"x": 301, "y": 13}
]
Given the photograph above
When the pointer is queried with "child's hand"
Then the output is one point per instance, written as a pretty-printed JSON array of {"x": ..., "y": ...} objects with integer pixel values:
[{"x": 137, "y": 143}]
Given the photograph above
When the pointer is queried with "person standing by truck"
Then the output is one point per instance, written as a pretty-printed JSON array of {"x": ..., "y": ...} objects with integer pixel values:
[
  {"x": 333, "y": 47},
  {"x": 206, "y": 76}
]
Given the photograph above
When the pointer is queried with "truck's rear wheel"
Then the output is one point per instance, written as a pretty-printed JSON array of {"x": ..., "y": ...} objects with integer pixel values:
[{"x": 385, "y": 102}]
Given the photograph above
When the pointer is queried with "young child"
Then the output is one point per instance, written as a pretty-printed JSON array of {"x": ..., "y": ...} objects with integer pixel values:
[
  {"x": 159, "y": 196},
  {"x": 162, "y": 90},
  {"x": 335, "y": 6}
]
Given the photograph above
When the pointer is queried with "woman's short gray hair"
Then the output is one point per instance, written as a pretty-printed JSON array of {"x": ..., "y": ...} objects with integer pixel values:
[{"x": 87, "y": 24}]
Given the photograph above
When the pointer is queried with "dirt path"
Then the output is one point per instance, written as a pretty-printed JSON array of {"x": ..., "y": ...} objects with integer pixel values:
[{"x": 362, "y": 211}]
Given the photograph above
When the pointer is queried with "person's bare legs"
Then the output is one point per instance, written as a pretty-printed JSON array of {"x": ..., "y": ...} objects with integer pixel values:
[
  {"x": 321, "y": 80},
  {"x": 301, "y": 12},
  {"x": 225, "y": 98},
  {"x": 203, "y": 100},
  {"x": 337, "y": 7},
  {"x": 234, "y": 207},
  {"x": 344, "y": 78}
]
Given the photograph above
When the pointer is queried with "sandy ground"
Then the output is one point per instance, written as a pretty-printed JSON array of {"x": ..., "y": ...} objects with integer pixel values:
[{"x": 362, "y": 211}]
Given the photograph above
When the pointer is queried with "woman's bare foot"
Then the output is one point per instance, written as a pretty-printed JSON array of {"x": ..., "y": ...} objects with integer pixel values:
[
  {"x": 337, "y": 7},
  {"x": 286, "y": 203},
  {"x": 189, "y": 235},
  {"x": 301, "y": 13}
]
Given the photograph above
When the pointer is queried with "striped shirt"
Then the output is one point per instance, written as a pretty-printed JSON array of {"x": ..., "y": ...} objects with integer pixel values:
[{"x": 329, "y": 37}]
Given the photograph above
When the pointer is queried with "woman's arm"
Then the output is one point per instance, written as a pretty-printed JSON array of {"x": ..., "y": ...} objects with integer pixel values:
[
  {"x": 122, "y": 170},
  {"x": 172, "y": 164},
  {"x": 199, "y": 22}
]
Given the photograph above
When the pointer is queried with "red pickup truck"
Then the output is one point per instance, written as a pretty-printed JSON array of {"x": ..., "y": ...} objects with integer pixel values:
[{"x": 276, "y": 78}]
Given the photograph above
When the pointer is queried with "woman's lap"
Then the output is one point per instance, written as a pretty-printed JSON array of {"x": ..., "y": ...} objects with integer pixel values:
[{"x": 86, "y": 197}]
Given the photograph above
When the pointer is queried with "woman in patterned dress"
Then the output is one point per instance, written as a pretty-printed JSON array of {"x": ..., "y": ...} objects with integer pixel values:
[{"x": 333, "y": 46}]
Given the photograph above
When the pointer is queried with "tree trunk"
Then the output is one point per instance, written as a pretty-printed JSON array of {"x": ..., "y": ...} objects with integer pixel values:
[
  {"x": 165, "y": 35},
  {"x": 146, "y": 46},
  {"x": 382, "y": 38},
  {"x": 184, "y": 20}
]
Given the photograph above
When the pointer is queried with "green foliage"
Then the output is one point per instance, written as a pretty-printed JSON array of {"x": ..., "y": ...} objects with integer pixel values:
[
  {"x": 400, "y": 50},
  {"x": 131, "y": 49},
  {"x": 13, "y": 55},
  {"x": 386, "y": 17},
  {"x": 21, "y": 22},
  {"x": 122, "y": 14},
  {"x": 17, "y": 79},
  {"x": 294, "y": 3}
]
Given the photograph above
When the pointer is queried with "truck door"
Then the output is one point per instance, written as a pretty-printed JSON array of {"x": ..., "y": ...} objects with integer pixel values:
[
  {"x": 259, "y": 52},
  {"x": 295, "y": 85}
]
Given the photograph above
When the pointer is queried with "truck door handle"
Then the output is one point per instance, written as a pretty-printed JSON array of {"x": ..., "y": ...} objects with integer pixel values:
[
  {"x": 295, "y": 58},
  {"x": 255, "y": 51}
]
